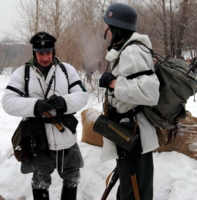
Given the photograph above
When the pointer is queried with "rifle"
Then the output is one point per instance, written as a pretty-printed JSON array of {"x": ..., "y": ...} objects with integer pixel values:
[
  {"x": 111, "y": 184},
  {"x": 58, "y": 125},
  {"x": 134, "y": 180},
  {"x": 135, "y": 187}
]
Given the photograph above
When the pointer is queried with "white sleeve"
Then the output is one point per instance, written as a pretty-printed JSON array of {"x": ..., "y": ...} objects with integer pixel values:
[
  {"x": 78, "y": 96},
  {"x": 143, "y": 90},
  {"x": 12, "y": 102}
]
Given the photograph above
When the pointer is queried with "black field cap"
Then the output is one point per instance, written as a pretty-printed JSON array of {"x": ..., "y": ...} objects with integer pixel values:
[{"x": 43, "y": 42}]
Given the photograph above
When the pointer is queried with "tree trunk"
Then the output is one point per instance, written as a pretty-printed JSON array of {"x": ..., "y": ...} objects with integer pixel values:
[
  {"x": 172, "y": 43},
  {"x": 166, "y": 46},
  {"x": 57, "y": 18},
  {"x": 184, "y": 19},
  {"x": 37, "y": 16}
]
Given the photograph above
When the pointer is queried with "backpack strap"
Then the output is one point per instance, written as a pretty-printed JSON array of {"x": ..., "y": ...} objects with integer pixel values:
[
  {"x": 64, "y": 70},
  {"x": 27, "y": 69},
  {"x": 137, "y": 43},
  {"x": 72, "y": 84},
  {"x": 147, "y": 72},
  {"x": 139, "y": 108},
  {"x": 128, "y": 44}
]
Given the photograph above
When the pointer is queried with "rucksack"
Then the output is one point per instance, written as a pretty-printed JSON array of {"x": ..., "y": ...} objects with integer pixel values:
[{"x": 177, "y": 84}]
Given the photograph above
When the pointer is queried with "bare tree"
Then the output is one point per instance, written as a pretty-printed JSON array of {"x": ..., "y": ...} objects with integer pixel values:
[
  {"x": 78, "y": 25},
  {"x": 184, "y": 21},
  {"x": 172, "y": 33},
  {"x": 188, "y": 27},
  {"x": 31, "y": 15},
  {"x": 158, "y": 7},
  {"x": 37, "y": 15},
  {"x": 177, "y": 19}
]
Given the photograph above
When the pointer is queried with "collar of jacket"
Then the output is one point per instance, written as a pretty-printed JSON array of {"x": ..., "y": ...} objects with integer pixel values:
[
  {"x": 32, "y": 62},
  {"x": 43, "y": 70},
  {"x": 113, "y": 54}
]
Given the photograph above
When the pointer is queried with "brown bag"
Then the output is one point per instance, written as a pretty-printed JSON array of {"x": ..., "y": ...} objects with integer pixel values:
[{"x": 88, "y": 117}]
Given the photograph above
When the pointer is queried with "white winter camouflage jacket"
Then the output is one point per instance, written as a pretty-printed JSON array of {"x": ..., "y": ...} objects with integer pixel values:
[
  {"x": 16, "y": 105},
  {"x": 129, "y": 93}
]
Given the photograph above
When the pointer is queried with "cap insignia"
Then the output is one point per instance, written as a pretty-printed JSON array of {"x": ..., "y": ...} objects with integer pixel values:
[
  {"x": 43, "y": 43},
  {"x": 41, "y": 36},
  {"x": 110, "y": 14}
]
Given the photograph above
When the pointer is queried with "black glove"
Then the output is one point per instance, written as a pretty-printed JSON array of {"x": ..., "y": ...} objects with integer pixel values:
[
  {"x": 58, "y": 102},
  {"x": 106, "y": 79},
  {"x": 41, "y": 106}
]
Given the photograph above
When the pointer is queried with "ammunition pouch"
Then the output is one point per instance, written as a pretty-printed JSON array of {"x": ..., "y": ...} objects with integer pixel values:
[
  {"x": 116, "y": 132},
  {"x": 29, "y": 139},
  {"x": 69, "y": 121}
]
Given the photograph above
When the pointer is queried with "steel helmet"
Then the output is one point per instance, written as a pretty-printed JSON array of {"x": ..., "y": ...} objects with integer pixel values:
[{"x": 121, "y": 15}]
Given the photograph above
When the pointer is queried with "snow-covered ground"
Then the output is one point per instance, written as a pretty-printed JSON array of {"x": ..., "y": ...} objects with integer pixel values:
[{"x": 175, "y": 174}]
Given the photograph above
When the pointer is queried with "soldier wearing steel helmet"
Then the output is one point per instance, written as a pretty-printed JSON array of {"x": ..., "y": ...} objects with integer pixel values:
[
  {"x": 127, "y": 87},
  {"x": 54, "y": 88}
]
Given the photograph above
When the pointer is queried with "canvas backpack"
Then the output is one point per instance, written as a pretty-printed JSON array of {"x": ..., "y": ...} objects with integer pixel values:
[{"x": 177, "y": 84}]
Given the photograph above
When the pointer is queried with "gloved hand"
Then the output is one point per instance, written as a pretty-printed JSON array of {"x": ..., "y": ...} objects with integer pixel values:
[
  {"x": 58, "y": 102},
  {"x": 41, "y": 106},
  {"x": 105, "y": 79}
]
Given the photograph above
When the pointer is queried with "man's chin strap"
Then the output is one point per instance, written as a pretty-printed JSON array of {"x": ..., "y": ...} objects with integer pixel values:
[{"x": 54, "y": 52}]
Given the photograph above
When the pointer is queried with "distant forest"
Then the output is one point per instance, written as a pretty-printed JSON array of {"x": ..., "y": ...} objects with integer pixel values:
[{"x": 79, "y": 28}]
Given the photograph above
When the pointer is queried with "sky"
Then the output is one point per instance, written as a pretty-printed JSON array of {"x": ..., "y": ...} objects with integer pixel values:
[
  {"x": 175, "y": 175},
  {"x": 8, "y": 14}
]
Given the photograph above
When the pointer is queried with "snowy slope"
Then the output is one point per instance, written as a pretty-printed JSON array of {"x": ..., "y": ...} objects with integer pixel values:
[{"x": 175, "y": 174}]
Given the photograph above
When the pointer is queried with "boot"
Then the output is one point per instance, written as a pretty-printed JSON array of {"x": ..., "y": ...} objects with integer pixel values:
[
  {"x": 69, "y": 193},
  {"x": 41, "y": 194}
]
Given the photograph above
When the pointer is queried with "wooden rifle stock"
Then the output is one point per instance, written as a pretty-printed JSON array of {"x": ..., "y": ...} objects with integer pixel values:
[
  {"x": 135, "y": 187},
  {"x": 134, "y": 180},
  {"x": 111, "y": 184},
  {"x": 58, "y": 125}
]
